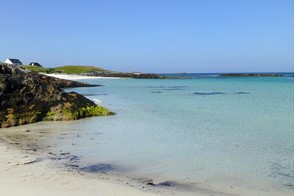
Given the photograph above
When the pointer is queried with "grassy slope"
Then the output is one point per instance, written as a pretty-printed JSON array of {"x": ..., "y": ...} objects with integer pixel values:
[
  {"x": 39, "y": 69},
  {"x": 75, "y": 69},
  {"x": 69, "y": 69}
]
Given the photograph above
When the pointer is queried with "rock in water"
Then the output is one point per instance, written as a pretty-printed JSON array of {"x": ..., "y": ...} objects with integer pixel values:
[{"x": 28, "y": 97}]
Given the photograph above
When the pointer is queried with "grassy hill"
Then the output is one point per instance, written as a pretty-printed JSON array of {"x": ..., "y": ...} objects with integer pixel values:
[
  {"x": 39, "y": 69},
  {"x": 75, "y": 69},
  {"x": 68, "y": 69}
]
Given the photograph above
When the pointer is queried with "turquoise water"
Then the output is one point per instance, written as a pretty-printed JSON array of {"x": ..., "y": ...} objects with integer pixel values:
[{"x": 236, "y": 131}]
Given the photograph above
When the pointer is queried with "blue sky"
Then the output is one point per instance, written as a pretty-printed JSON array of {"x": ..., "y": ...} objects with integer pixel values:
[{"x": 151, "y": 35}]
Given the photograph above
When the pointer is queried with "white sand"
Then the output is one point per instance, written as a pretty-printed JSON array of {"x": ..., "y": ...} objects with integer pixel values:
[
  {"x": 40, "y": 178},
  {"x": 77, "y": 77}
]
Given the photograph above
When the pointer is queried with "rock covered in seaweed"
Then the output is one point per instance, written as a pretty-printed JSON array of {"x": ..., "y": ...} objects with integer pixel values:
[{"x": 28, "y": 97}]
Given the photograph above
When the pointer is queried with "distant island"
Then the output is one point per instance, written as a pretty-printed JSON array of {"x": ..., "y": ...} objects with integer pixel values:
[
  {"x": 92, "y": 71},
  {"x": 83, "y": 70},
  {"x": 251, "y": 75}
]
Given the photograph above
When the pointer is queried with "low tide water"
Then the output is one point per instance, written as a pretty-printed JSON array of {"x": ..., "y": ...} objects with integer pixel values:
[{"x": 232, "y": 131}]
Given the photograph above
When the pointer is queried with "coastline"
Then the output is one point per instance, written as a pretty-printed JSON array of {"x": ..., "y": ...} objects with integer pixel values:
[
  {"x": 28, "y": 162},
  {"x": 78, "y": 77}
]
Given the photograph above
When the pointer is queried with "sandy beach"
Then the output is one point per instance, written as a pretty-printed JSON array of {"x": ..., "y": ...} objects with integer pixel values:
[
  {"x": 23, "y": 173},
  {"x": 77, "y": 77},
  {"x": 28, "y": 166},
  {"x": 20, "y": 175}
]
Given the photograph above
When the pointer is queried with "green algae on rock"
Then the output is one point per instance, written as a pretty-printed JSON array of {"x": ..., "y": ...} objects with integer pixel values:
[
  {"x": 28, "y": 97},
  {"x": 88, "y": 111}
]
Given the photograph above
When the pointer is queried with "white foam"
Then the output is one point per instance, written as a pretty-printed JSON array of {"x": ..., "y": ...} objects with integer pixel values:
[{"x": 96, "y": 101}]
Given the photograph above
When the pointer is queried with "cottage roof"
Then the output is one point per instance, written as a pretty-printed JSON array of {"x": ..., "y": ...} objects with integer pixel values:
[
  {"x": 15, "y": 61},
  {"x": 35, "y": 64}
]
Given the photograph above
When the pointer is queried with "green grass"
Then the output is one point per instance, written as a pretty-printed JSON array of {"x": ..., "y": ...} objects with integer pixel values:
[
  {"x": 76, "y": 69},
  {"x": 69, "y": 69},
  {"x": 37, "y": 69}
]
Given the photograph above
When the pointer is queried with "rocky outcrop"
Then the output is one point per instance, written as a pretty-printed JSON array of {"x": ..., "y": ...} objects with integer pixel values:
[
  {"x": 124, "y": 75},
  {"x": 17, "y": 71},
  {"x": 28, "y": 97},
  {"x": 250, "y": 75}
]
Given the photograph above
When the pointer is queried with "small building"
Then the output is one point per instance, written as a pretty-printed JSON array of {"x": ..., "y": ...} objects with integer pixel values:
[
  {"x": 36, "y": 64},
  {"x": 13, "y": 61}
]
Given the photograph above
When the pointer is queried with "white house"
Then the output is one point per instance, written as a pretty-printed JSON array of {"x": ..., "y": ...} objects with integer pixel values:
[{"x": 13, "y": 61}]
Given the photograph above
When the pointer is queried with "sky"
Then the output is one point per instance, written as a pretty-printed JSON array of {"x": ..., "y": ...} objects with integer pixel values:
[{"x": 160, "y": 36}]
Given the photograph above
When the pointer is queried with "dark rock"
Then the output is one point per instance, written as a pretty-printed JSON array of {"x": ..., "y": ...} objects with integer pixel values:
[
  {"x": 209, "y": 93},
  {"x": 150, "y": 182},
  {"x": 28, "y": 97},
  {"x": 106, "y": 73},
  {"x": 167, "y": 184},
  {"x": 242, "y": 93}
]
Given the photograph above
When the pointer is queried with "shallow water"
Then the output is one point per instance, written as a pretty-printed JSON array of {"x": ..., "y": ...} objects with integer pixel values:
[{"x": 230, "y": 131}]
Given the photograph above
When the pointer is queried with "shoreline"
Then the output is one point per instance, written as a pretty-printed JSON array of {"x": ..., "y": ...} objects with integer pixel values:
[
  {"x": 28, "y": 166},
  {"x": 35, "y": 155},
  {"x": 24, "y": 173},
  {"x": 79, "y": 77}
]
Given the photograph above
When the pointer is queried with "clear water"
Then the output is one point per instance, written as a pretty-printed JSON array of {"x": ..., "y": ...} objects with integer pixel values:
[{"x": 237, "y": 131}]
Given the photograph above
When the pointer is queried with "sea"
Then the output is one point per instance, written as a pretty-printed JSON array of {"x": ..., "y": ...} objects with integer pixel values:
[{"x": 203, "y": 129}]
